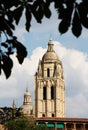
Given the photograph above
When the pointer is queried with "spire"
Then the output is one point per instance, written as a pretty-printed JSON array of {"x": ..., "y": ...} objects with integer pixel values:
[
  {"x": 27, "y": 97},
  {"x": 14, "y": 105},
  {"x": 50, "y": 38},
  {"x": 50, "y": 45},
  {"x": 26, "y": 89},
  {"x": 27, "y": 103}
]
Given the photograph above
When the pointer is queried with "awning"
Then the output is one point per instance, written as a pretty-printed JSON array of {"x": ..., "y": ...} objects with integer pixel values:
[
  {"x": 59, "y": 125},
  {"x": 41, "y": 123},
  {"x": 50, "y": 125}
]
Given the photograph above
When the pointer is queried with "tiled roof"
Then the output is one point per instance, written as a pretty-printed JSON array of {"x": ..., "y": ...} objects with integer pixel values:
[{"x": 45, "y": 119}]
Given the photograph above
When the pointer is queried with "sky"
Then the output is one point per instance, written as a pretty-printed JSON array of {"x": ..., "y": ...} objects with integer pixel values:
[{"x": 72, "y": 51}]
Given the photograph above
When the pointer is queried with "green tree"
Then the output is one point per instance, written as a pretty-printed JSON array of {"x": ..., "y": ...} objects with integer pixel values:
[
  {"x": 44, "y": 127},
  {"x": 23, "y": 123},
  {"x": 71, "y": 13}
]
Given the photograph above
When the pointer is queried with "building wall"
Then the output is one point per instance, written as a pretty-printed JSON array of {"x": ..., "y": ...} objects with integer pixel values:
[
  {"x": 49, "y": 86},
  {"x": 27, "y": 107},
  {"x": 64, "y": 123}
]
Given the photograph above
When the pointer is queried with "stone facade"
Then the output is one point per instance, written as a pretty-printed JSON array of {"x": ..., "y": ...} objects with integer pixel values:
[
  {"x": 64, "y": 123},
  {"x": 27, "y": 107},
  {"x": 49, "y": 86}
]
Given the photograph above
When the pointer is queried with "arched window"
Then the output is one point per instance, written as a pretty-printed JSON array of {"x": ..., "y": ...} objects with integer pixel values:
[
  {"x": 48, "y": 72},
  {"x": 44, "y": 92},
  {"x": 52, "y": 114},
  {"x": 52, "y": 92},
  {"x": 43, "y": 115}
]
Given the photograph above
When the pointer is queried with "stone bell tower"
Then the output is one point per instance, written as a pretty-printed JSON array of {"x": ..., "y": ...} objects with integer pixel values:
[
  {"x": 27, "y": 107},
  {"x": 49, "y": 86}
]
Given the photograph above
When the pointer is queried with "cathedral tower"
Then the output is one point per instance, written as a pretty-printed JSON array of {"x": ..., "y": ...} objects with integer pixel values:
[
  {"x": 49, "y": 86},
  {"x": 27, "y": 107}
]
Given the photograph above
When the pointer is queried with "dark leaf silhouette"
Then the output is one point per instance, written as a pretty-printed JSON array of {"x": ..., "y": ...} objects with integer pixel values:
[
  {"x": 70, "y": 2},
  {"x": 83, "y": 11},
  {"x": 4, "y": 44},
  {"x": 10, "y": 17},
  {"x": 28, "y": 18},
  {"x": 5, "y": 26},
  {"x": 58, "y": 3},
  {"x": 70, "y": 13},
  {"x": 10, "y": 24},
  {"x": 20, "y": 49},
  {"x": 6, "y": 65},
  {"x": 76, "y": 24},
  {"x": 8, "y": 28},
  {"x": 0, "y": 63},
  {"x": 10, "y": 51},
  {"x": 47, "y": 11},
  {"x": 38, "y": 10},
  {"x": 48, "y": 2},
  {"x": 9, "y": 3},
  {"x": 63, "y": 26},
  {"x": 65, "y": 9},
  {"x": 18, "y": 14},
  {"x": 21, "y": 52}
]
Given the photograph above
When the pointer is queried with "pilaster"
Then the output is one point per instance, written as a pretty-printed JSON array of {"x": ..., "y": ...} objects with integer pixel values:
[
  {"x": 65, "y": 126},
  {"x": 84, "y": 126},
  {"x": 74, "y": 126}
]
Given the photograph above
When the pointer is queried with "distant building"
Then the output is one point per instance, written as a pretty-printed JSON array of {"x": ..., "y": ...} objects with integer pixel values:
[
  {"x": 64, "y": 123},
  {"x": 27, "y": 107},
  {"x": 14, "y": 105}
]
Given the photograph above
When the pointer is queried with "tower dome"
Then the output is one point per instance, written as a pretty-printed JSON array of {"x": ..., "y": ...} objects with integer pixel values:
[
  {"x": 27, "y": 104},
  {"x": 50, "y": 55},
  {"x": 27, "y": 93}
]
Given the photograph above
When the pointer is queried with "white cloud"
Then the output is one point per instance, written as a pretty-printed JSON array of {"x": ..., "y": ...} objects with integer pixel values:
[
  {"x": 84, "y": 33},
  {"x": 22, "y": 76},
  {"x": 75, "y": 66},
  {"x": 77, "y": 106}
]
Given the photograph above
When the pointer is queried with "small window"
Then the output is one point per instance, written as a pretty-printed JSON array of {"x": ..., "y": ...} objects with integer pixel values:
[
  {"x": 52, "y": 114},
  {"x": 43, "y": 115},
  {"x": 52, "y": 92},
  {"x": 44, "y": 93},
  {"x": 48, "y": 72}
]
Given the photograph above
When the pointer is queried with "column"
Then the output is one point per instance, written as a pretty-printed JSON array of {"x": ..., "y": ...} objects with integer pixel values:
[
  {"x": 65, "y": 126},
  {"x": 74, "y": 126},
  {"x": 39, "y": 107},
  {"x": 55, "y": 126},
  {"x": 48, "y": 107},
  {"x": 84, "y": 126},
  {"x": 57, "y": 100}
]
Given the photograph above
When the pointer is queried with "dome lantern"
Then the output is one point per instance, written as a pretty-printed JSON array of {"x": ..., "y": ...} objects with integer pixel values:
[
  {"x": 50, "y": 54},
  {"x": 50, "y": 46}
]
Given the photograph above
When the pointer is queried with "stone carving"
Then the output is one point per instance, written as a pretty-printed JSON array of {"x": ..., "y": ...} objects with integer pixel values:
[
  {"x": 39, "y": 69},
  {"x": 56, "y": 69}
]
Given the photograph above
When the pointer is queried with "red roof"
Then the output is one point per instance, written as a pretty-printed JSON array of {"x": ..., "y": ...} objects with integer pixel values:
[{"x": 45, "y": 119}]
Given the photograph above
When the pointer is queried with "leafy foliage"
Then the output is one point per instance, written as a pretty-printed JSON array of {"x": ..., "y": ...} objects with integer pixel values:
[
  {"x": 23, "y": 123},
  {"x": 8, "y": 113},
  {"x": 72, "y": 15}
]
